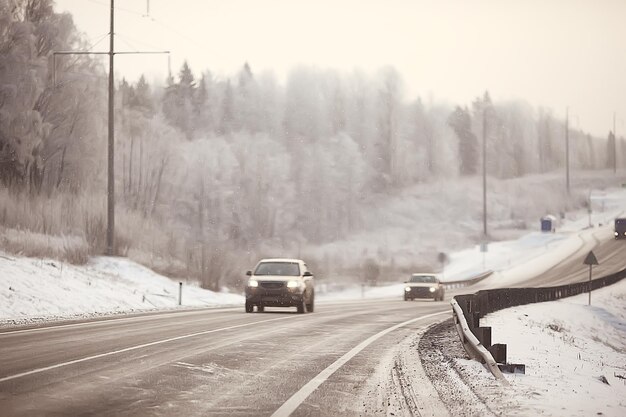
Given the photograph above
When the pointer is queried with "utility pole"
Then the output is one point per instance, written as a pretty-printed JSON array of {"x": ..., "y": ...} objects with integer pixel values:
[
  {"x": 567, "y": 150},
  {"x": 110, "y": 234},
  {"x": 485, "y": 172},
  {"x": 111, "y": 147},
  {"x": 614, "y": 146}
]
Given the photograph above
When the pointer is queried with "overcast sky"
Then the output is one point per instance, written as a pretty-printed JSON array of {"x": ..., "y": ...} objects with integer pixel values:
[{"x": 551, "y": 53}]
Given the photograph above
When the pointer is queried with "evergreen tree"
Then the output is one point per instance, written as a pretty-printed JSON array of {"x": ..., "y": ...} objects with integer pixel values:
[
  {"x": 178, "y": 101},
  {"x": 227, "y": 111},
  {"x": 610, "y": 151},
  {"x": 247, "y": 101},
  {"x": 202, "y": 111},
  {"x": 461, "y": 122},
  {"x": 141, "y": 98}
]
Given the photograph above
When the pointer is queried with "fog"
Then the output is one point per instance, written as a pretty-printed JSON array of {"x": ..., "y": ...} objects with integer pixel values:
[
  {"x": 552, "y": 54},
  {"x": 215, "y": 170}
]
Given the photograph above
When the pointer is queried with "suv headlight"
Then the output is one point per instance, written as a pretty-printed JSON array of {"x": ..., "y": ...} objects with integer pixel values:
[
  {"x": 293, "y": 284},
  {"x": 407, "y": 289},
  {"x": 253, "y": 283},
  {"x": 432, "y": 289}
]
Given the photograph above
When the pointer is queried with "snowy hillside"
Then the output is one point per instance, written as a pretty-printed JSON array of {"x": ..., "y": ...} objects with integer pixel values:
[
  {"x": 32, "y": 289},
  {"x": 38, "y": 288}
]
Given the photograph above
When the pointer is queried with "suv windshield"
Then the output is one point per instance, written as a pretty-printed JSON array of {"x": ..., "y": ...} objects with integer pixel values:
[
  {"x": 423, "y": 278},
  {"x": 278, "y": 268}
]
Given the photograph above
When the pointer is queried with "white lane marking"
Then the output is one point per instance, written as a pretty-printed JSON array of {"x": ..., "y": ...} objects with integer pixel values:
[
  {"x": 128, "y": 349},
  {"x": 298, "y": 398},
  {"x": 104, "y": 321},
  {"x": 109, "y": 320},
  {"x": 140, "y": 317}
]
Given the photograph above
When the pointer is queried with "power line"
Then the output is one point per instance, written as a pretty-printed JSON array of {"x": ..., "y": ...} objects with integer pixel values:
[
  {"x": 130, "y": 38},
  {"x": 93, "y": 45},
  {"x": 179, "y": 33},
  {"x": 108, "y": 6},
  {"x": 99, "y": 37},
  {"x": 152, "y": 19},
  {"x": 126, "y": 42},
  {"x": 147, "y": 15},
  {"x": 110, "y": 233}
]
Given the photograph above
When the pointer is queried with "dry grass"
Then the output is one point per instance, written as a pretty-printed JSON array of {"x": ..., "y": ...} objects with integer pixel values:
[
  {"x": 72, "y": 249},
  {"x": 72, "y": 227}
]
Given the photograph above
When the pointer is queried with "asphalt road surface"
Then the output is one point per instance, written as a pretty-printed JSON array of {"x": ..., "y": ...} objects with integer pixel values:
[
  {"x": 226, "y": 362},
  {"x": 218, "y": 363},
  {"x": 610, "y": 253}
]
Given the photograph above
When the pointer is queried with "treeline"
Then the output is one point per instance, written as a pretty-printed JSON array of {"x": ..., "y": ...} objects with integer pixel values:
[
  {"x": 50, "y": 130},
  {"x": 244, "y": 165}
]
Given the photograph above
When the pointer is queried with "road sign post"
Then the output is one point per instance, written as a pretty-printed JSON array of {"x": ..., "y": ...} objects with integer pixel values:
[
  {"x": 443, "y": 259},
  {"x": 591, "y": 261},
  {"x": 484, "y": 247}
]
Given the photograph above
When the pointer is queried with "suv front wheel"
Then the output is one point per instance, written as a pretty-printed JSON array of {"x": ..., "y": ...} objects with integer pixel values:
[
  {"x": 311, "y": 306},
  {"x": 302, "y": 306}
]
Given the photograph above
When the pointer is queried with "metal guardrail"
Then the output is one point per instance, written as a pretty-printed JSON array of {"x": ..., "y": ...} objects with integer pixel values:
[
  {"x": 488, "y": 301},
  {"x": 472, "y": 345},
  {"x": 467, "y": 282},
  {"x": 469, "y": 308}
]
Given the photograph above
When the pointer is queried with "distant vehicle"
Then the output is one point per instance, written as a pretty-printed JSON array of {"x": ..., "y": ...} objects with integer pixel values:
[
  {"x": 424, "y": 286},
  {"x": 620, "y": 228},
  {"x": 280, "y": 283},
  {"x": 548, "y": 223}
]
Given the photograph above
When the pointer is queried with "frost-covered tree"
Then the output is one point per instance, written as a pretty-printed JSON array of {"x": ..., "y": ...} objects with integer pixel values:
[
  {"x": 610, "y": 151},
  {"x": 227, "y": 111},
  {"x": 204, "y": 106},
  {"x": 141, "y": 98},
  {"x": 178, "y": 101},
  {"x": 305, "y": 107},
  {"x": 42, "y": 123},
  {"x": 461, "y": 122},
  {"x": 389, "y": 113},
  {"x": 248, "y": 114}
]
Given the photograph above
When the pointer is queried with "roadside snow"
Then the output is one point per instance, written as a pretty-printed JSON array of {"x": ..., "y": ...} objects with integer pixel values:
[
  {"x": 32, "y": 289},
  {"x": 514, "y": 260},
  {"x": 568, "y": 348}
]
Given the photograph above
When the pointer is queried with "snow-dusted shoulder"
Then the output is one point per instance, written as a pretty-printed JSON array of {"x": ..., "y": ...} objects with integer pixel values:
[
  {"x": 575, "y": 354},
  {"x": 45, "y": 289}
]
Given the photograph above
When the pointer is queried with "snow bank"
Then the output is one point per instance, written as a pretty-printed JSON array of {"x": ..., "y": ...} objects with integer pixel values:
[
  {"x": 568, "y": 348},
  {"x": 34, "y": 288}
]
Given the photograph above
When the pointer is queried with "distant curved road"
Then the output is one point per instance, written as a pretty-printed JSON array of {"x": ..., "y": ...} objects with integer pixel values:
[{"x": 611, "y": 255}]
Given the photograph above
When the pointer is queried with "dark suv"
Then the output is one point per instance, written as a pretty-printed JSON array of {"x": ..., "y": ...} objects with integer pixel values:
[
  {"x": 280, "y": 283},
  {"x": 620, "y": 228},
  {"x": 424, "y": 286}
]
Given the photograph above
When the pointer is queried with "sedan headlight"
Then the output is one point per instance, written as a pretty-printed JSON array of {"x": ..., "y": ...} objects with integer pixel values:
[
  {"x": 432, "y": 289},
  {"x": 253, "y": 283},
  {"x": 407, "y": 289}
]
